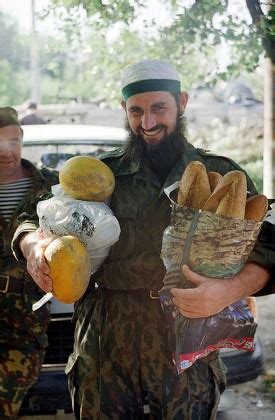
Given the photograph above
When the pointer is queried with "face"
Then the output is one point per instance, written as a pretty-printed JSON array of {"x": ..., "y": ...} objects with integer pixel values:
[
  {"x": 10, "y": 152},
  {"x": 152, "y": 115}
]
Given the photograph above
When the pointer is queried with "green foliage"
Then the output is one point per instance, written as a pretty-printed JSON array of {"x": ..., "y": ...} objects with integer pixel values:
[
  {"x": 266, "y": 28},
  {"x": 12, "y": 46},
  {"x": 242, "y": 143},
  {"x": 202, "y": 28},
  {"x": 269, "y": 384},
  {"x": 102, "y": 13},
  {"x": 13, "y": 88}
]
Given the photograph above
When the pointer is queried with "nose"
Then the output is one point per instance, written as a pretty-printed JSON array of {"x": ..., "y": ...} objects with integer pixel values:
[
  {"x": 148, "y": 120},
  {"x": 4, "y": 148}
]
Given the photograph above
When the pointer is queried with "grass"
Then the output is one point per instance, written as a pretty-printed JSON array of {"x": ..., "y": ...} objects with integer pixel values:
[{"x": 269, "y": 384}]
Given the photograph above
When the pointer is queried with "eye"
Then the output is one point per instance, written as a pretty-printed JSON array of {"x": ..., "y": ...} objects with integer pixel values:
[
  {"x": 136, "y": 112},
  {"x": 15, "y": 142},
  {"x": 159, "y": 108}
]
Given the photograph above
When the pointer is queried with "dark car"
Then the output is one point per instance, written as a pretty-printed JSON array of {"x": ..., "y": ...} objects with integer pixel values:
[{"x": 51, "y": 145}]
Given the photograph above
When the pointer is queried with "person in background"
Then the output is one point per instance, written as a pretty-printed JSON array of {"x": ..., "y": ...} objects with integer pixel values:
[
  {"x": 121, "y": 351},
  {"x": 23, "y": 336},
  {"x": 32, "y": 116}
]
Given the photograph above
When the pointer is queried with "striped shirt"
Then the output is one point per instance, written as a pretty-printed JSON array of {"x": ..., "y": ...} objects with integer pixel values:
[{"x": 11, "y": 194}]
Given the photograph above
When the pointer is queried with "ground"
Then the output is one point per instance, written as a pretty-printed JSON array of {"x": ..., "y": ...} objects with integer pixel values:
[{"x": 251, "y": 401}]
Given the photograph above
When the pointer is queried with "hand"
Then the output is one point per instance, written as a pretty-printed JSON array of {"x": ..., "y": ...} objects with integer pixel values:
[
  {"x": 208, "y": 297},
  {"x": 33, "y": 246}
]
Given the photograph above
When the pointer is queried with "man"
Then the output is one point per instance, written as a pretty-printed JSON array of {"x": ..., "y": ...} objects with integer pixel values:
[
  {"x": 32, "y": 116},
  {"x": 23, "y": 333},
  {"x": 121, "y": 353}
]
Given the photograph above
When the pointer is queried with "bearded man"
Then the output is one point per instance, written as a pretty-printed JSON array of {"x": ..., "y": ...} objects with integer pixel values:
[{"x": 121, "y": 351}]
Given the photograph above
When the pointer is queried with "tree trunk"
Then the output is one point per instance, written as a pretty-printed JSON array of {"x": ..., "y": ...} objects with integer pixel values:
[{"x": 269, "y": 131}]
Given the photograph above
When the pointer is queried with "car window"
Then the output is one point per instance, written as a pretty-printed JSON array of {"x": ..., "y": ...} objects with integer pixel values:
[{"x": 42, "y": 148}]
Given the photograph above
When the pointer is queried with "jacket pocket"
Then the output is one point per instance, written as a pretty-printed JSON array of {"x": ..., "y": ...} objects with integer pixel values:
[{"x": 127, "y": 217}]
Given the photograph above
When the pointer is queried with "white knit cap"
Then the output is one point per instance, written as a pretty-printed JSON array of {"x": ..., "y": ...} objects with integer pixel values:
[{"x": 150, "y": 76}]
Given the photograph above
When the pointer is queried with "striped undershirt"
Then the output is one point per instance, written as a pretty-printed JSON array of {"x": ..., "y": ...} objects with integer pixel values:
[{"x": 11, "y": 194}]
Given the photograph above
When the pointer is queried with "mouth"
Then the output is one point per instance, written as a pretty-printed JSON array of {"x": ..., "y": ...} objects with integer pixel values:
[{"x": 153, "y": 133}]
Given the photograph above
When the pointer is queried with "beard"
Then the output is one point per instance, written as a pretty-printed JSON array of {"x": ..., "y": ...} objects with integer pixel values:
[{"x": 160, "y": 157}]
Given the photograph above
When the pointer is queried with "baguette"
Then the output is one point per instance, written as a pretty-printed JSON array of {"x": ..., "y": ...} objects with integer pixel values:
[
  {"x": 256, "y": 208},
  {"x": 194, "y": 188},
  {"x": 234, "y": 184},
  {"x": 233, "y": 203},
  {"x": 214, "y": 178}
]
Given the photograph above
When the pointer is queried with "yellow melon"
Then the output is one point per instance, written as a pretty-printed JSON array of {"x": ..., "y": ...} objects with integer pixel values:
[
  {"x": 86, "y": 178},
  {"x": 70, "y": 268}
]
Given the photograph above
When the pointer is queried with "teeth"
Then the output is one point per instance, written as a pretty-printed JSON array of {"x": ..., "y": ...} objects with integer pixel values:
[{"x": 152, "y": 133}]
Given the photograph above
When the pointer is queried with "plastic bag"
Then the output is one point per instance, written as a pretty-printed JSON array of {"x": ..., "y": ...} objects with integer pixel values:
[
  {"x": 214, "y": 246},
  {"x": 93, "y": 223}
]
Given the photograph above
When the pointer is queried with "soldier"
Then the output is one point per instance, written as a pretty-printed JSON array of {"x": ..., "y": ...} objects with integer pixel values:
[
  {"x": 23, "y": 333},
  {"x": 121, "y": 351}
]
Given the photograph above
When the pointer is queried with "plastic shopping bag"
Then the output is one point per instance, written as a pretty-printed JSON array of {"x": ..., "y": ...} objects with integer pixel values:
[
  {"x": 213, "y": 246},
  {"x": 93, "y": 223}
]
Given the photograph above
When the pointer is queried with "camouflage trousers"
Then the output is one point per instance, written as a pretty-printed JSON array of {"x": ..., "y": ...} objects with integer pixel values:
[
  {"x": 121, "y": 354},
  {"x": 22, "y": 347}
]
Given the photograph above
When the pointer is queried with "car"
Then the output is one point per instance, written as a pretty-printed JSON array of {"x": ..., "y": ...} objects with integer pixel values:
[{"x": 51, "y": 145}]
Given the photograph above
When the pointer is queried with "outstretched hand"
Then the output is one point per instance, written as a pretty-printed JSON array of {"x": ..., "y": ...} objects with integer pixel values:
[{"x": 208, "y": 297}]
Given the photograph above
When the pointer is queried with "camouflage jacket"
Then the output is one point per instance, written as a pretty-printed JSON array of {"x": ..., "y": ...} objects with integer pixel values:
[
  {"x": 143, "y": 211},
  {"x": 43, "y": 180}
]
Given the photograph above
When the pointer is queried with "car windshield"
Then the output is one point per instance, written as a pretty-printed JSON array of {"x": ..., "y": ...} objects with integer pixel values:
[{"x": 52, "y": 145}]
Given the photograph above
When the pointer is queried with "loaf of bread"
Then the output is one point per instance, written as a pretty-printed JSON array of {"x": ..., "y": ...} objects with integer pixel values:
[
  {"x": 229, "y": 197},
  {"x": 256, "y": 208},
  {"x": 214, "y": 178},
  {"x": 194, "y": 188}
]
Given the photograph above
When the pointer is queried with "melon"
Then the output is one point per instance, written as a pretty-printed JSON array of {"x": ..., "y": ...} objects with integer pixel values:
[
  {"x": 86, "y": 178},
  {"x": 70, "y": 268}
]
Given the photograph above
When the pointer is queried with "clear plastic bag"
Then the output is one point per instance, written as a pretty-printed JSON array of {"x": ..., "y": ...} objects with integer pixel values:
[{"x": 93, "y": 223}]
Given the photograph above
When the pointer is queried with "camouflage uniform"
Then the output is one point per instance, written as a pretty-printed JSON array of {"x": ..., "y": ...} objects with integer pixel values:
[
  {"x": 120, "y": 351},
  {"x": 23, "y": 332}
]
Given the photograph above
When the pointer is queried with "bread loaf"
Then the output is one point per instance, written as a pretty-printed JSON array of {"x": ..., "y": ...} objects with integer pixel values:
[
  {"x": 256, "y": 208},
  {"x": 194, "y": 189},
  {"x": 229, "y": 197},
  {"x": 234, "y": 201},
  {"x": 214, "y": 178}
]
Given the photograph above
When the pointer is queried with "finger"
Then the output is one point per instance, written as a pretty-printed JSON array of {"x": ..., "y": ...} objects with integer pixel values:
[
  {"x": 191, "y": 314},
  {"x": 45, "y": 283},
  {"x": 185, "y": 294},
  {"x": 39, "y": 258},
  {"x": 186, "y": 304},
  {"x": 41, "y": 279},
  {"x": 191, "y": 275}
]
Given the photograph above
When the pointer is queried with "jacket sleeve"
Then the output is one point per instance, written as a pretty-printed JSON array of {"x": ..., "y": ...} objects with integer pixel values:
[
  {"x": 263, "y": 254},
  {"x": 27, "y": 222}
]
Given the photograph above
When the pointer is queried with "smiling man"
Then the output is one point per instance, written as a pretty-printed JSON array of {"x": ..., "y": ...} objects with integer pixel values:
[
  {"x": 121, "y": 352},
  {"x": 23, "y": 332}
]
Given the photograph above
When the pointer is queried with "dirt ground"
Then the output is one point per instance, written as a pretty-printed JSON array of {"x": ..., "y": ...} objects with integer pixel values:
[{"x": 251, "y": 401}]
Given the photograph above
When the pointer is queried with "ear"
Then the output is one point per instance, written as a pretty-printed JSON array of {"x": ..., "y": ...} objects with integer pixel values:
[
  {"x": 123, "y": 104},
  {"x": 183, "y": 101}
]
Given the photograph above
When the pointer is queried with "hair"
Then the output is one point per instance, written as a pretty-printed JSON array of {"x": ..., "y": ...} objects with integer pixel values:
[{"x": 32, "y": 105}]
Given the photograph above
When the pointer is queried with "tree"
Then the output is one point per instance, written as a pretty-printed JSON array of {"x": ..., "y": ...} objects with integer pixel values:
[
  {"x": 265, "y": 25},
  {"x": 204, "y": 25},
  {"x": 13, "y": 61}
]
